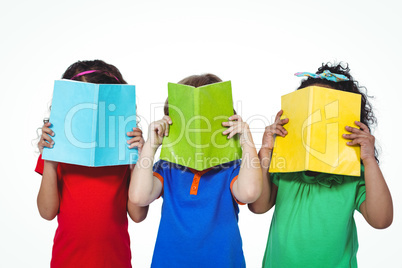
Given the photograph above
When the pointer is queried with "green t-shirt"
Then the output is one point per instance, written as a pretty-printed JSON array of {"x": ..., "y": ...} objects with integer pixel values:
[{"x": 313, "y": 224}]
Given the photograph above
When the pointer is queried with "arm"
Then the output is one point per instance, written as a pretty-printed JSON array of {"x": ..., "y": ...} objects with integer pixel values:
[
  {"x": 48, "y": 196},
  {"x": 269, "y": 190},
  {"x": 377, "y": 209},
  {"x": 136, "y": 213},
  {"x": 247, "y": 187},
  {"x": 268, "y": 195},
  {"x": 144, "y": 186}
]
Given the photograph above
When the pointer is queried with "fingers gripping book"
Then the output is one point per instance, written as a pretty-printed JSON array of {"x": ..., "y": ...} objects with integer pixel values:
[
  {"x": 195, "y": 137},
  {"x": 90, "y": 122}
]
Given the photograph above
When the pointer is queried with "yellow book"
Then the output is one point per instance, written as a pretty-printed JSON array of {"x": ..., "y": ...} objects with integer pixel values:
[{"x": 317, "y": 120}]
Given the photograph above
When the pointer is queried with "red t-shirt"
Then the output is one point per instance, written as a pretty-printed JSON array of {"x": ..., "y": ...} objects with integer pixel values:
[{"x": 93, "y": 225}]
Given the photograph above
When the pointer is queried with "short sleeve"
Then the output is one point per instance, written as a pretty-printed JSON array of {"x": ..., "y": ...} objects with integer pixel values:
[
  {"x": 233, "y": 177},
  {"x": 159, "y": 171},
  {"x": 39, "y": 165},
  {"x": 235, "y": 169},
  {"x": 360, "y": 191},
  {"x": 274, "y": 178}
]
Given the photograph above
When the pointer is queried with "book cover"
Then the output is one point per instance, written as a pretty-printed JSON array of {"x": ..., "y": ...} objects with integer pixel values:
[
  {"x": 317, "y": 120},
  {"x": 195, "y": 137},
  {"x": 90, "y": 122}
]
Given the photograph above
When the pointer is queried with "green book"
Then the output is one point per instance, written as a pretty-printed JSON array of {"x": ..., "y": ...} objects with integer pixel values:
[{"x": 195, "y": 137}]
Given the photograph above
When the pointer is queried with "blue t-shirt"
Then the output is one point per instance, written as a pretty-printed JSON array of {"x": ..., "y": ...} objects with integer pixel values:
[{"x": 199, "y": 221}]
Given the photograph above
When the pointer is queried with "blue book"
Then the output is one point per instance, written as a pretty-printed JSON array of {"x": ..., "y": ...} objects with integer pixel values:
[{"x": 90, "y": 122}]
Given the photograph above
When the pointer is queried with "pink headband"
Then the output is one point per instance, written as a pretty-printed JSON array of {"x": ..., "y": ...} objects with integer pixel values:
[{"x": 93, "y": 71}]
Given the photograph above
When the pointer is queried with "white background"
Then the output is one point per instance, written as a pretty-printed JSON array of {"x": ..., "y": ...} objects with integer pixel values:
[{"x": 256, "y": 44}]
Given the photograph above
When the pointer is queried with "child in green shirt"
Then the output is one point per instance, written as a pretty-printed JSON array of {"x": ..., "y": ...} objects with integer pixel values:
[{"x": 313, "y": 224}]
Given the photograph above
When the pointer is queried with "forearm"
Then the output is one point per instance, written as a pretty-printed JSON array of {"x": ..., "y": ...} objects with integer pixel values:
[
  {"x": 378, "y": 204},
  {"x": 48, "y": 196},
  {"x": 249, "y": 181},
  {"x": 137, "y": 213},
  {"x": 264, "y": 203},
  {"x": 267, "y": 198},
  {"x": 142, "y": 190}
]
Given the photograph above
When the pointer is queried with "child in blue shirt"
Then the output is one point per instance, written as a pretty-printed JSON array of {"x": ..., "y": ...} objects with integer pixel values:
[{"x": 199, "y": 221}]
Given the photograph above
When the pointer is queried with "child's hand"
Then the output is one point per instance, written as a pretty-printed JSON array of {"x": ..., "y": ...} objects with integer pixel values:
[
  {"x": 271, "y": 131},
  {"x": 236, "y": 125},
  {"x": 45, "y": 139},
  {"x": 362, "y": 137},
  {"x": 158, "y": 130},
  {"x": 137, "y": 140}
]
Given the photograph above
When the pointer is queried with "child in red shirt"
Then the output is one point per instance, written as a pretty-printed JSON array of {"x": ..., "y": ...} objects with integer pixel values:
[{"x": 91, "y": 203}]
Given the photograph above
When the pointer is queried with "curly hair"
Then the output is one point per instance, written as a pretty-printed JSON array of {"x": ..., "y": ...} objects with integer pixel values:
[{"x": 367, "y": 116}]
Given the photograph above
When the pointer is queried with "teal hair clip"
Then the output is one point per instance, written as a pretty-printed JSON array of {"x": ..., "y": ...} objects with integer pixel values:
[{"x": 325, "y": 75}]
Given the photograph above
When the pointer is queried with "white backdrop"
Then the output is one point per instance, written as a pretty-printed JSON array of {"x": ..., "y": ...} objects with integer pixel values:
[{"x": 256, "y": 44}]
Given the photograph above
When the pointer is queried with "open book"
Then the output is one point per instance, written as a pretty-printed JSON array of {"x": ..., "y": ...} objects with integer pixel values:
[
  {"x": 90, "y": 122},
  {"x": 195, "y": 137},
  {"x": 317, "y": 120}
]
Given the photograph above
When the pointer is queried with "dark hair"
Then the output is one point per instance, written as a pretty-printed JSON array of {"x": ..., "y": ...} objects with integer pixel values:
[
  {"x": 195, "y": 81},
  {"x": 107, "y": 76},
  {"x": 367, "y": 116}
]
